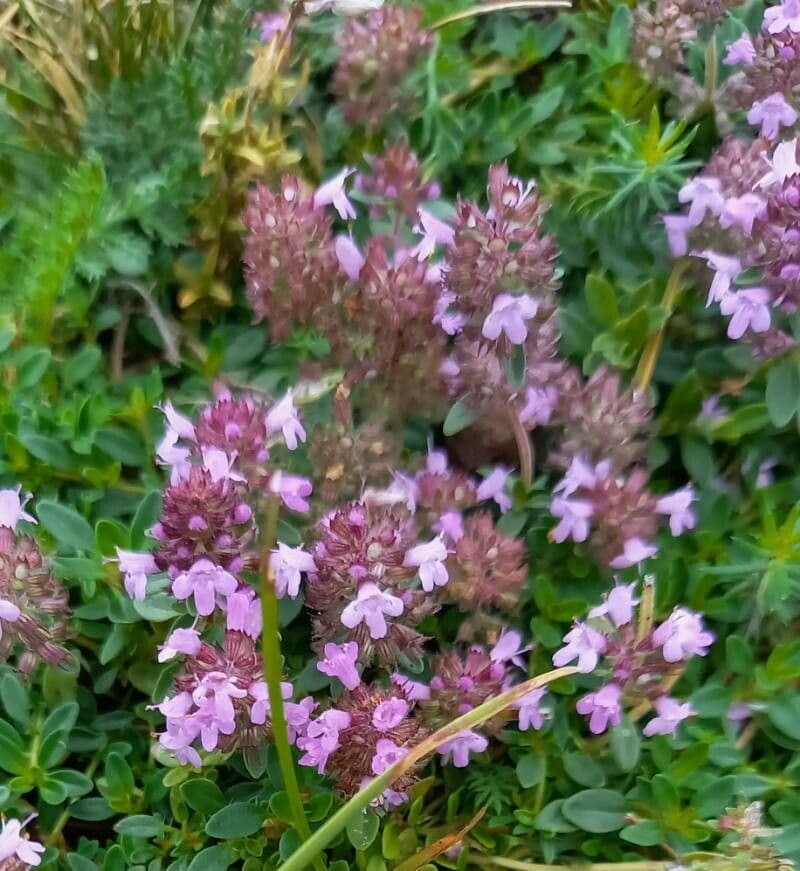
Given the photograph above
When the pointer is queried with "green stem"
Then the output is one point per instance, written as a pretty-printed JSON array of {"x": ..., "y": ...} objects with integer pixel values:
[
  {"x": 313, "y": 846},
  {"x": 271, "y": 651},
  {"x": 55, "y": 832}
]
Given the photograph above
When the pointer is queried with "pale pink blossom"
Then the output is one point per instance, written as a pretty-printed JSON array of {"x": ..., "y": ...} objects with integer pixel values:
[
  {"x": 682, "y": 635},
  {"x": 726, "y": 269},
  {"x": 531, "y": 713},
  {"x": 539, "y": 405},
  {"x": 740, "y": 51},
  {"x": 220, "y": 465},
  {"x": 271, "y": 24},
  {"x": 671, "y": 714},
  {"x": 135, "y": 567},
  {"x": 283, "y": 417},
  {"x": 748, "y": 310},
  {"x": 180, "y": 641},
  {"x": 678, "y": 506},
  {"x": 618, "y": 605},
  {"x": 293, "y": 490},
  {"x": 12, "y": 508},
  {"x": 493, "y": 486},
  {"x": 259, "y": 692},
  {"x": 386, "y": 754},
  {"x": 583, "y": 644},
  {"x": 573, "y": 516},
  {"x": 677, "y": 228},
  {"x": 602, "y": 708},
  {"x": 508, "y": 648},
  {"x": 509, "y": 315},
  {"x": 783, "y": 164},
  {"x": 784, "y": 16},
  {"x": 288, "y": 564},
  {"x": 771, "y": 113},
  {"x": 177, "y": 458},
  {"x": 340, "y": 661},
  {"x": 332, "y": 192},
  {"x": 322, "y": 738},
  {"x": 204, "y": 582},
  {"x": 13, "y": 846},
  {"x": 429, "y": 560},
  {"x": 371, "y": 607},
  {"x": 8, "y": 612},
  {"x": 461, "y": 746},
  {"x": 703, "y": 193},
  {"x": 434, "y": 232},
  {"x": 742, "y": 211},
  {"x": 178, "y": 422},
  {"x": 389, "y": 714},
  {"x": 350, "y": 258},
  {"x": 580, "y": 474},
  {"x": 634, "y": 550},
  {"x": 451, "y": 321},
  {"x": 450, "y": 525},
  {"x": 413, "y": 690},
  {"x": 243, "y": 612}
]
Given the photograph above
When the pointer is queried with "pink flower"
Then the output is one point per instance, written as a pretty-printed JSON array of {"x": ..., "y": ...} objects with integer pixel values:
[
  {"x": 602, "y": 708},
  {"x": 340, "y": 661},
  {"x": 8, "y": 612},
  {"x": 332, "y": 192},
  {"x": 749, "y": 309},
  {"x": 12, "y": 508},
  {"x": 635, "y": 550},
  {"x": 169, "y": 454},
  {"x": 671, "y": 714},
  {"x": 13, "y": 844},
  {"x": 178, "y": 422},
  {"x": 413, "y": 690},
  {"x": 703, "y": 193},
  {"x": 283, "y": 417},
  {"x": 136, "y": 567},
  {"x": 452, "y": 322},
  {"x": 681, "y": 516},
  {"x": 180, "y": 641},
  {"x": 298, "y": 715},
  {"x": 508, "y": 315},
  {"x": 725, "y": 271},
  {"x": 243, "y": 612},
  {"x": 783, "y": 164},
  {"x": 204, "y": 581},
  {"x": 461, "y": 746},
  {"x": 508, "y": 648},
  {"x": 322, "y": 738},
  {"x": 370, "y": 607},
  {"x": 539, "y": 405},
  {"x": 434, "y": 232},
  {"x": 288, "y": 565},
  {"x": 451, "y": 525},
  {"x": 293, "y": 490},
  {"x": 389, "y": 714},
  {"x": 742, "y": 212},
  {"x": 741, "y": 51},
  {"x": 493, "y": 486},
  {"x": 711, "y": 409},
  {"x": 429, "y": 559},
  {"x": 682, "y": 635},
  {"x": 219, "y": 465},
  {"x": 677, "y": 227},
  {"x": 584, "y": 644},
  {"x": 350, "y": 258},
  {"x": 618, "y": 605},
  {"x": 785, "y": 16},
  {"x": 259, "y": 691},
  {"x": 386, "y": 754},
  {"x": 771, "y": 113},
  {"x": 579, "y": 474},
  {"x": 574, "y": 515},
  {"x": 270, "y": 24},
  {"x": 531, "y": 713}
]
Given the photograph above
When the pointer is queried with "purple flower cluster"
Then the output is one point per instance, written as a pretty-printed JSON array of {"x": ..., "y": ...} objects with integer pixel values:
[
  {"x": 616, "y": 513},
  {"x": 638, "y": 665},
  {"x": 34, "y": 606}
]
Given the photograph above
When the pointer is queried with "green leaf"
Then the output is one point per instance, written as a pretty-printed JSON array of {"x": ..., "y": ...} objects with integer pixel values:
[
  {"x": 47, "y": 450},
  {"x": 119, "y": 777},
  {"x": 596, "y": 810},
  {"x": 115, "y": 859},
  {"x": 551, "y": 818},
  {"x": 140, "y": 826},
  {"x": 81, "y": 365},
  {"x": 515, "y": 368},
  {"x": 542, "y": 106},
  {"x": 237, "y": 820},
  {"x": 584, "y": 770},
  {"x": 643, "y": 834},
  {"x": 91, "y": 809},
  {"x": 530, "y": 770},
  {"x": 76, "y": 783},
  {"x": 601, "y": 299},
  {"x": 15, "y": 699},
  {"x": 147, "y": 514},
  {"x": 203, "y": 795},
  {"x": 626, "y": 744},
  {"x": 77, "y": 862},
  {"x": 460, "y": 416},
  {"x": 216, "y": 858},
  {"x": 783, "y": 391},
  {"x": 13, "y": 757},
  {"x": 33, "y": 365},
  {"x": 712, "y": 800},
  {"x": 784, "y": 712},
  {"x": 363, "y": 829},
  {"x": 65, "y": 524},
  {"x": 122, "y": 445}
]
